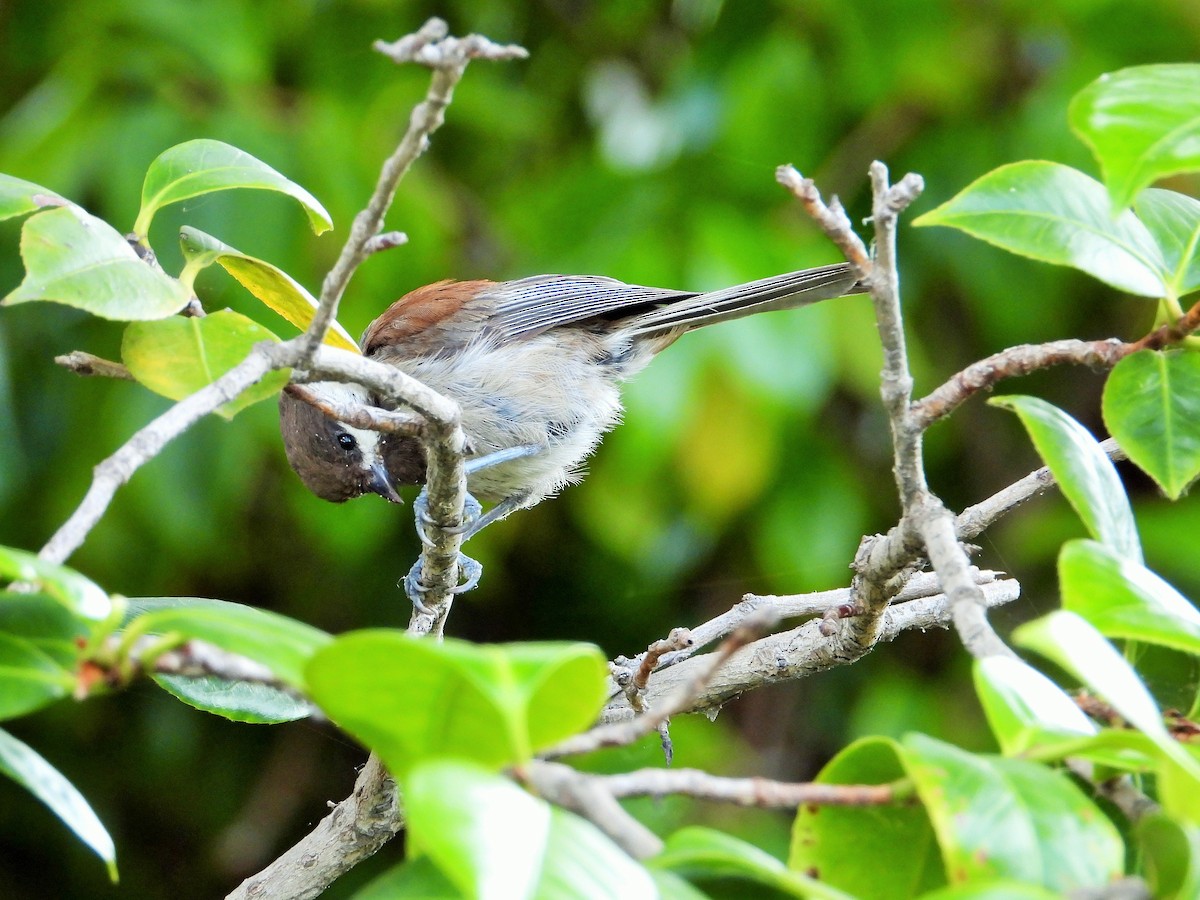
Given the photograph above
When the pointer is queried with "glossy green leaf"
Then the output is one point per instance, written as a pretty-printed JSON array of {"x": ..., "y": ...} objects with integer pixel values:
[
  {"x": 19, "y": 197},
  {"x": 45, "y": 623},
  {"x": 238, "y": 701},
  {"x": 702, "y": 853},
  {"x": 202, "y": 166},
  {"x": 824, "y": 839},
  {"x": 1177, "y": 790},
  {"x": 674, "y": 887},
  {"x": 1012, "y": 818},
  {"x": 1000, "y": 889},
  {"x": 1171, "y": 856},
  {"x": 1122, "y": 749},
  {"x": 77, "y": 594},
  {"x": 1174, "y": 222},
  {"x": 1152, "y": 407},
  {"x": 581, "y": 861},
  {"x": 1142, "y": 123},
  {"x": 411, "y": 699},
  {"x": 281, "y": 644},
  {"x": 274, "y": 287},
  {"x": 39, "y": 651},
  {"x": 74, "y": 258},
  {"x": 1067, "y": 639},
  {"x": 494, "y": 840},
  {"x": 1024, "y": 707},
  {"x": 1056, "y": 214},
  {"x": 27, "y": 768},
  {"x": 176, "y": 357},
  {"x": 413, "y": 879},
  {"x": 29, "y": 677},
  {"x": 1124, "y": 599},
  {"x": 1085, "y": 474}
]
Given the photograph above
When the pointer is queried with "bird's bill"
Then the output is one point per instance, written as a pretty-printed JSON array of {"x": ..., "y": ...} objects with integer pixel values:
[{"x": 381, "y": 484}]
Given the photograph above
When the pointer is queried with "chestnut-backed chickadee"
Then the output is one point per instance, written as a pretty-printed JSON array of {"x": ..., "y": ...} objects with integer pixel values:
[{"x": 535, "y": 366}]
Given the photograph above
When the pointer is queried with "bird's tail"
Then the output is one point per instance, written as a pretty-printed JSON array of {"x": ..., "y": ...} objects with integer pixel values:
[{"x": 766, "y": 294}]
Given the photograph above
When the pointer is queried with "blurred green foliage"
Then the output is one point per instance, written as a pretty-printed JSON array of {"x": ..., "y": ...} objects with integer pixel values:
[{"x": 639, "y": 141}]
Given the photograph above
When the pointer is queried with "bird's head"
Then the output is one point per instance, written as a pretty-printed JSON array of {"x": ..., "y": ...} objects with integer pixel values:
[{"x": 336, "y": 461}]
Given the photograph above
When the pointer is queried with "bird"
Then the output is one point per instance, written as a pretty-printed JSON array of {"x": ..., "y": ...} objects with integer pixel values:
[{"x": 535, "y": 365}]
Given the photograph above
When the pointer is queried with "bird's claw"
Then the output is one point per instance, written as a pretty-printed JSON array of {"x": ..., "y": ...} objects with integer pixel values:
[
  {"x": 469, "y": 573},
  {"x": 472, "y": 510}
]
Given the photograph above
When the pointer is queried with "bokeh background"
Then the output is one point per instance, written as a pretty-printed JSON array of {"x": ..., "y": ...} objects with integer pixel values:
[{"x": 638, "y": 141}]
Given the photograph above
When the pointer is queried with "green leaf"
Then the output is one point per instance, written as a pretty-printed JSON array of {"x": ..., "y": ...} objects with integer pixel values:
[
  {"x": 1174, "y": 222},
  {"x": 1085, "y": 474},
  {"x": 581, "y": 861},
  {"x": 40, "y": 641},
  {"x": 238, "y": 701},
  {"x": 901, "y": 837},
  {"x": 24, "y": 766},
  {"x": 29, "y": 677},
  {"x": 1012, "y": 818},
  {"x": 1124, "y": 599},
  {"x": 77, "y": 594},
  {"x": 202, "y": 166},
  {"x": 1056, "y": 214},
  {"x": 410, "y": 699},
  {"x": 702, "y": 853},
  {"x": 272, "y": 286},
  {"x": 1068, "y": 640},
  {"x": 1176, "y": 787},
  {"x": 19, "y": 197},
  {"x": 45, "y": 623},
  {"x": 1142, "y": 123},
  {"x": 1000, "y": 889},
  {"x": 1122, "y": 749},
  {"x": 1152, "y": 407},
  {"x": 1171, "y": 856},
  {"x": 281, "y": 644},
  {"x": 1025, "y": 708},
  {"x": 494, "y": 840},
  {"x": 74, "y": 258},
  {"x": 176, "y": 357},
  {"x": 673, "y": 887},
  {"x": 413, "y": 879}
]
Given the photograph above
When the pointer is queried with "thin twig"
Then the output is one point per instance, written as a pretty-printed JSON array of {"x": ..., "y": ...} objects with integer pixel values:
[
  {"x": 82, "y": 363},
  {"x": 884, "y": 282},
  {"x": 619, "y": 734},
  {"x": 149, "y": 441},
  {"x": 788, "y": 655},
  {"x": 968, "y": 603},
  {"x": 832, "y": 218},
  {"x": 974, "y": 520},
  {"x": 763, "y": 793},
  {"x": 358, "y": 415},
  {"x": 564, "y": 786},
  {"x": 1015, "y": 361},
  {"x": 793, "y": 606},
  {"x": 1172, "y": 332}
]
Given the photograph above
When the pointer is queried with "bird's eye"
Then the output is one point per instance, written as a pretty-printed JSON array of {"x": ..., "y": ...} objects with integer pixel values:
[{"x": 347, "y": 441}]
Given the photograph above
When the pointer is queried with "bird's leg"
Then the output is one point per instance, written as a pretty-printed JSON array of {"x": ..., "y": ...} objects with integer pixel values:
[
  {"x": 474, "y": 518},
  {"x": 474, "y": 521}
]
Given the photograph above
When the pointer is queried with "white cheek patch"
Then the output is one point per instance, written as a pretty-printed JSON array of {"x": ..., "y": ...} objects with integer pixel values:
[
  {"x": 338, "y": 392},
  {"x": 368, "y": 444}
]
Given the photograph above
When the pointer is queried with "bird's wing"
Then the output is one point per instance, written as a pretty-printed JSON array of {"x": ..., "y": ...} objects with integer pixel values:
[{"x": 531, "y": 305}]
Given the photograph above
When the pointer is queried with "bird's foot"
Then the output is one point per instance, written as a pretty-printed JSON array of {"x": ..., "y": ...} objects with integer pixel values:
[
  {"x": 472, "y": 513},
  {"x": 469, "y": 573}
]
